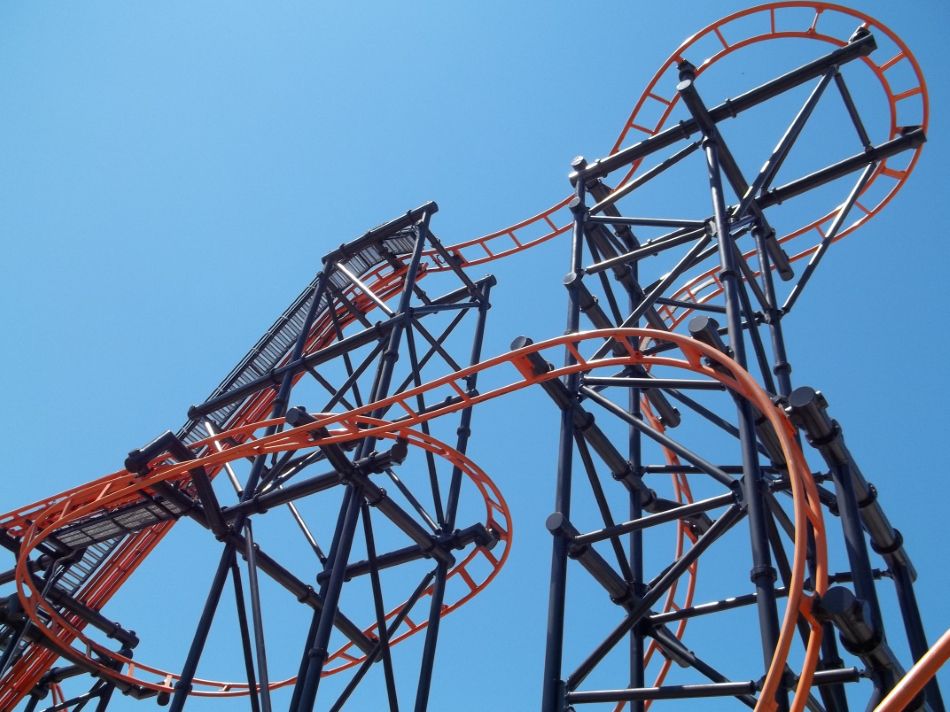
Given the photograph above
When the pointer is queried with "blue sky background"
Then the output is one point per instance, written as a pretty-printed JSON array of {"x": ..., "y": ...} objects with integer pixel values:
[{"x": 172, "y": 174}]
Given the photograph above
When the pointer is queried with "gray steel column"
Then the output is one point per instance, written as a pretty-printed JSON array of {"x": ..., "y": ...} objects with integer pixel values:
[
  {"x": 438, "y": 590},
  {"x": 763, "y": 574},
  {"x": 316, "y": 653},
  {"x": 552, "y": 691}
]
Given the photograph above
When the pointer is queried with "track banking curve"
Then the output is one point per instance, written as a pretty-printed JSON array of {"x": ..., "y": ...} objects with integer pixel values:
[{"x": 31, "y": 524}]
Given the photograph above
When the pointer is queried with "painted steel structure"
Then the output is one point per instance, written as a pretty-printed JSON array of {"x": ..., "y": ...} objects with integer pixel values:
[{"x": 674, "y": 331}]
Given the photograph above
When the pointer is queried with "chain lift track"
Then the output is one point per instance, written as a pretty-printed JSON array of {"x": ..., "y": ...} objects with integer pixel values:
[{"x": 674, "y": 339}]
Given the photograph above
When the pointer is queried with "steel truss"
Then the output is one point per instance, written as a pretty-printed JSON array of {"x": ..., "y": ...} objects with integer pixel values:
[
  {"x": 746, "y": 299},
  {"x": 685, "y": 376},
  {"x": 185, "y": 474},
  {"x": 619, "y": 289}
]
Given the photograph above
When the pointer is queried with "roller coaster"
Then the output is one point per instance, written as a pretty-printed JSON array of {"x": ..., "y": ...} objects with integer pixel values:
[{"x": 683, "y": 445}]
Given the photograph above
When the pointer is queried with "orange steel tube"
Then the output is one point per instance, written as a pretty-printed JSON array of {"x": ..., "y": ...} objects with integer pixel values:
[{"x": 917, "y": 677}]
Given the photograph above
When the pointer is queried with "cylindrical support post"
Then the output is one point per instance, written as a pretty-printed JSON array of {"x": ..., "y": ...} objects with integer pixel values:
[
  {"x": 916, "y": 637},
  {"x": 257, "y": 616},
  {"x": 183, "y": 686},
  {"x": 432, "y": 635},
  {"x": 316, "y": 650},
  {"x": 552, "y": 690},
  {"x": 438, "y": 591},
  {"x": 316, "y": 653},
  {"x": 763, "y": 574}
]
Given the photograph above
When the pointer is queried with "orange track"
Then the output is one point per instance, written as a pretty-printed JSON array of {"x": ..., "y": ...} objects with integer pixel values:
[
  {"x": 123, "y": 487},
  {"x": 765, "y": 23}
]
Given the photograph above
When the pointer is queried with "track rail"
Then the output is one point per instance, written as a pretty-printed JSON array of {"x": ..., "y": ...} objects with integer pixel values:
[
  {"x": 764, "y": 23},
  {"x": 123, "y": 487}
]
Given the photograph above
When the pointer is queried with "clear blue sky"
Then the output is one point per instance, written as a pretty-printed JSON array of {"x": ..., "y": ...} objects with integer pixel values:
[{"x": 172, "y": 174}]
